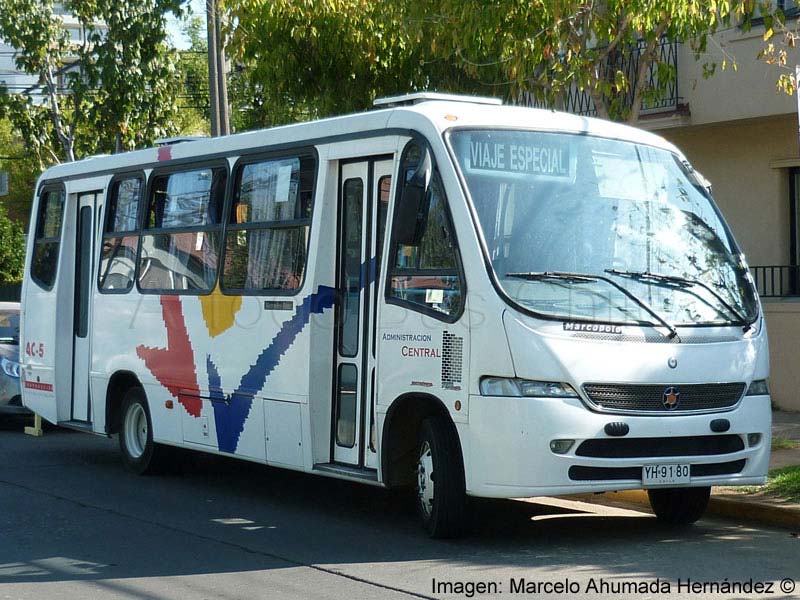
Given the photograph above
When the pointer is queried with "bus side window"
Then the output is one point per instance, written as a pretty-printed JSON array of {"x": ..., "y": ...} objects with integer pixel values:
[
  {"x": 180, "y": 245},
  {"x": 120, "y": 236},
  {"x": 427, "y": 274},
  {"x": 47, "y": 242},
  {"x": 267, "y": 234},
  {"x": 384, "y": 186}
]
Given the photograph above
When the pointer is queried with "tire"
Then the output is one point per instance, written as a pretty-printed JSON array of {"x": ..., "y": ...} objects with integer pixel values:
[
  {"x": 679, "y": 506},
  {"x": 139, "y": 453},
  {"x": 441, "y": 498}
]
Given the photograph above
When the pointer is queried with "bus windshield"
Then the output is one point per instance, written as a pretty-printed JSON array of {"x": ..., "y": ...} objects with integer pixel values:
[{"x": 588, "y": 228}]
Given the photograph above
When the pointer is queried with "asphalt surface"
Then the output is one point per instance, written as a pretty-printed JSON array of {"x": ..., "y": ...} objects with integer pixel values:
[{"x": 74, "y": 524}]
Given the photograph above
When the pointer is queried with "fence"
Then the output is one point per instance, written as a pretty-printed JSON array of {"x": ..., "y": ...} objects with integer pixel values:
[
  {"x": 777, "y": 281},
  {"x": 579, "y": 102}
]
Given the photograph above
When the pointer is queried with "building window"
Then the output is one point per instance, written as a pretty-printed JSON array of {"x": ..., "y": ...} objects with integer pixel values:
[
  {"x": 120, "y": 237},
  {"x": 788, "y": 7},
  {"x": 266, "y": 238},
  {"x": 47, "y": 242},
  {"x": 180, "y": 244},
  {"x": 426, "y": 275},
  {"x": 782, "y": 280}
]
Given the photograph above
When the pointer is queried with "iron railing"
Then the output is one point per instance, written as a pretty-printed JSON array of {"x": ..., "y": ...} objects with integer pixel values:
[
  {"x": 579, "y": 102},
  {"x": 777, "y": 281}
]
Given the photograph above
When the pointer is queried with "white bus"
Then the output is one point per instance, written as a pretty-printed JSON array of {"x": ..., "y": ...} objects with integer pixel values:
[{"x": 444, "y": 292}]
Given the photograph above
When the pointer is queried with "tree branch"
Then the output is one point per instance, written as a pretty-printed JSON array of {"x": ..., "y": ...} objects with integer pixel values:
[
  {"x": 67, "y": 140},
  {"x": 623, "y": 29},
  {"x": 645, "y": 62}
]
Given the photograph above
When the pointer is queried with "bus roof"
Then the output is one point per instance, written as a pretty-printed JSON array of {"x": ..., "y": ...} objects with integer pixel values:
[{"x": 428, "y": 115}]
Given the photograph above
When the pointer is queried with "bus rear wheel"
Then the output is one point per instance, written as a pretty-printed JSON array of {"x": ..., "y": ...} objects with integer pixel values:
[
  {"x": 679, "y": 506},
  {"x": 139, "y": 453},
  {"x": 441, "y": 498}
]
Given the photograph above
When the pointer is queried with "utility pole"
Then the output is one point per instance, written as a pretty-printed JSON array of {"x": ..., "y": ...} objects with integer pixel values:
[{"x": 217, "y": 73}]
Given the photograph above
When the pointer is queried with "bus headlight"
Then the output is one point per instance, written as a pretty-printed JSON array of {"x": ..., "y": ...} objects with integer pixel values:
[
  {"x": 758, "y": 388},
  {"x": 9, "y": 367},
  {"x": 505, "y": 386}
]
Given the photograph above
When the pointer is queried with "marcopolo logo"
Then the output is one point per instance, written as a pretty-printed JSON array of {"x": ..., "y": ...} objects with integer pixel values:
[
  {"x": 671, "y": 398},
  {"x": 593, "y": 328}
]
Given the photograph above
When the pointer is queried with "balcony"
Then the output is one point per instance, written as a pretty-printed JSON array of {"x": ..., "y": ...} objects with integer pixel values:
[
  {"x": 777, "y": 281},
  {"x": 579, "y": 102}
]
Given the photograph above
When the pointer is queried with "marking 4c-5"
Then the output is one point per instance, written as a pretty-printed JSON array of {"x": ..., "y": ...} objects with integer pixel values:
[{"x": 443, "y": 293}]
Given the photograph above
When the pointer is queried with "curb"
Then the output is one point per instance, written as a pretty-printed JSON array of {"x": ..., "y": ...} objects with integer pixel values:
[{"x": 744, "y": 510}]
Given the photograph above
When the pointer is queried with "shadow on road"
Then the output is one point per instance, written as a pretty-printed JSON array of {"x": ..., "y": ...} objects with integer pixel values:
[{"x": 69, "y": 511}]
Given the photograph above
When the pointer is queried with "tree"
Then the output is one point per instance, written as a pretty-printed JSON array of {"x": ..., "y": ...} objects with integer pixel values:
[
  {"x": 547, "y": 47},
  {"x": 32, "y": 28},
  {"x": 23, "y": 170},
  {"x": 114, "y": 91},
  {"x": 302, "y": 60},
  {"x": 12, "y": 249},
  {"x": 194, "y": 115},
  {"x": 128, "y": 70},
  {"x": 780, "y": 36},
  {"x": 308, "y": 59}
]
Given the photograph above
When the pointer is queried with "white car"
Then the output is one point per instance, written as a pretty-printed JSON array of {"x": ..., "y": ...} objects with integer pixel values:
[{"x": 10, "y": 390}]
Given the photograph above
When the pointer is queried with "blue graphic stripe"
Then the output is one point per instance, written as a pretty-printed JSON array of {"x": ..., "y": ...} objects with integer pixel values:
[{"x": 231, "y": 413}]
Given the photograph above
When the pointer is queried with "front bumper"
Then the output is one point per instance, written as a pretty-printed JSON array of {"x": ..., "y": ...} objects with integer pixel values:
[{"x": 507, "y": 446}]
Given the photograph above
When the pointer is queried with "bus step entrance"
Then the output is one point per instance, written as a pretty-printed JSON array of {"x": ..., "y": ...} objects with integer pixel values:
[{"x": 348, "y": 472}]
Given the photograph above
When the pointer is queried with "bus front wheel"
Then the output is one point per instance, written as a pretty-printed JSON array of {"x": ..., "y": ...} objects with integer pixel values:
[
  {"x": 441, "y": 497},
  {"x": 679, "y": 506},
  {"x": 139, "y": 453}
]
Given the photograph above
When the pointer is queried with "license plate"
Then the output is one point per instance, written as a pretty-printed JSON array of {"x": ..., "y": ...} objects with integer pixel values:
[{"x": 656, "y": 475}]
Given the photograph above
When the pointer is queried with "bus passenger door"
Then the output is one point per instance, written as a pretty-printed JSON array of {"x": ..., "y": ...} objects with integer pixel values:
[
  {"x": 363, "y": 200},
  {"x": 84, "y": 276}
]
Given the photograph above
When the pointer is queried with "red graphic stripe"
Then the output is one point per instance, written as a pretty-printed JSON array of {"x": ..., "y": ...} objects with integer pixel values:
[
  {"x": 173, "y": 366},
  {"x": 42, "y": 387}
]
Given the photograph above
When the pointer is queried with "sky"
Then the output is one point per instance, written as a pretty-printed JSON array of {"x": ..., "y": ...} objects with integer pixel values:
[{"x": 174, "y": 26}]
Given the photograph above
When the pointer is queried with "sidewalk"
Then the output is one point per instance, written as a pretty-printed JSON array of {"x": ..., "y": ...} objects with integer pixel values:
[{"x": 745, "y": 504}]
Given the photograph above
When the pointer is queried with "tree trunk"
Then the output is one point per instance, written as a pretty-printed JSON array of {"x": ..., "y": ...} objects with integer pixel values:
[
  {"x": 597, "y": 96},
  {"x": 67, "y": 140}
]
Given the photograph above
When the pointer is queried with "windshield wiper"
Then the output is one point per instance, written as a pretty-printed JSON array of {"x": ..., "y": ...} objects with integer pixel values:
[
  {"x": 563, "y": 275},
  {"x": 587, "y": 277},
  {"x": 685, "y": 282}
]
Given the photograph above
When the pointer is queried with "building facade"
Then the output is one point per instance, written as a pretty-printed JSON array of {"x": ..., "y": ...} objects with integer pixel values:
[
  {"x": 17, "y": 81},
  {"x": 742, "y": 133}
]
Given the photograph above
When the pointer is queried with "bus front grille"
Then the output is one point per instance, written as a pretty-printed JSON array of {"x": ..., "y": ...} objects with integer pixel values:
[
  {"x": 649, "y": 398},
  {"x": 581, "y": 473},
  {"x": 655, "y": 447}
]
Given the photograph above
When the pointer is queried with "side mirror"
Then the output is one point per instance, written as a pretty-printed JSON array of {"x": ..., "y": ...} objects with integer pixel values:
[
  {"x": 413, "y": 208},
  {"x": 697, "y": 178},
  {"x": 703, "y": 181}
]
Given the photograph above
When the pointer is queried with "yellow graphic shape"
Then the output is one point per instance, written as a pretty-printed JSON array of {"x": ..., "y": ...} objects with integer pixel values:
[{"x": 219, "y": 311}]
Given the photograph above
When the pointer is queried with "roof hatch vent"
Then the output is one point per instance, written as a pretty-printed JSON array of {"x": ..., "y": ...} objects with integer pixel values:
[{"x": 417, "y": 97}]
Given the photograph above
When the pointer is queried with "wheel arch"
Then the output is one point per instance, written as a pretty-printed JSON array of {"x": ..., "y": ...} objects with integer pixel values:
[
  {"x": 400, "y": 431},
  {"x": 120, "y": 382}
]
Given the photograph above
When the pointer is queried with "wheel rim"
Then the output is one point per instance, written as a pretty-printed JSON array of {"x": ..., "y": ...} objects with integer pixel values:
[
  {"x": 135, "y": 430},
  {"x": 425, "y": 479}
]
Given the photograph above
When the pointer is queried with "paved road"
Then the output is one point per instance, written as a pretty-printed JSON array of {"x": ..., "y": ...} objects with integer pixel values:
[{"x": 75, "y": 525}]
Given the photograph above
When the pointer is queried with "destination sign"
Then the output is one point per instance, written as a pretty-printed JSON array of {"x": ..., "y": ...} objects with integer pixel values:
[{"x": 549, "y": 157}]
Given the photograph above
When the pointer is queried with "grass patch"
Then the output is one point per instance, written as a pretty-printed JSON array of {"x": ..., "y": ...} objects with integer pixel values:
[
  {"x": 782, "y": 443},
  {"x": 785, "y": 482}
]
